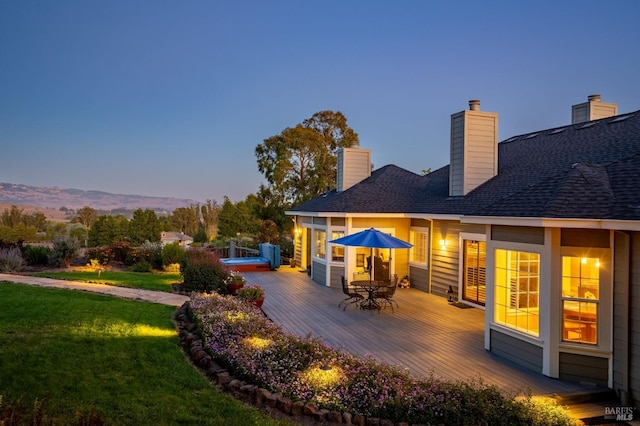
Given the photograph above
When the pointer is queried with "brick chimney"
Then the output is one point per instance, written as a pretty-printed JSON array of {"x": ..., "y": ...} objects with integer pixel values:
[
  {"x": 474, "y": 149},
  {"x": 593, "y": 109},
  {"x": 354, "y": 165}
]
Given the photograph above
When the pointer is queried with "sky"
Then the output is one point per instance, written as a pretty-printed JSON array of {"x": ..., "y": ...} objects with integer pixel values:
[{"x": 171, "y": 98}]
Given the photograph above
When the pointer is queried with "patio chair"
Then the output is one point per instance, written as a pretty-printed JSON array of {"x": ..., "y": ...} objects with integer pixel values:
[
  {"x": 386, "y": 293},
  {"x": 353, "y": 296}
]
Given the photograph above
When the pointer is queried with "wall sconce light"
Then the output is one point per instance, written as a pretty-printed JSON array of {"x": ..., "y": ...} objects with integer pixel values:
[
  {"x": 450, "y": 294},
  {"x": 443, "y": 244}
]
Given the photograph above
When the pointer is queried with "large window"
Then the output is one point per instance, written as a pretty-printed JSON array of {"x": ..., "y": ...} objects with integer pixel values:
[
  {"x": 420, "y": 240},
  {"x": 580, "y": 299},
  {"x": 337, "y": 251},
  {"x": 517, "y": 285},
  {"x": 320, "y": 243}
]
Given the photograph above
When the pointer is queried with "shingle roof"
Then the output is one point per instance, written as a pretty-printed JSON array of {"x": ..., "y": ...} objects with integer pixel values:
[{"x": 585, "y": 171}]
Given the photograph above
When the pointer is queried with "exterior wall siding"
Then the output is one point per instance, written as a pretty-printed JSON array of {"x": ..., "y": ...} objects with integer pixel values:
[
  {"x": 523, "y": 353},
  {"x": 338, "y": 221},
  {"x": 319, "y": 273},
  {"x": 518, "y": 234},
  {"x": 634, "y": 320},
  {"x": 621, "y": 314},
  {"x": 335, "y": 280},
  {"x": 445, "y": 261},
  {"x": 456, "y": 177},
  {"x": 583, "y": 368},
  {"x": 353, "y": 166},
  {"x": 419, "y": 278}
]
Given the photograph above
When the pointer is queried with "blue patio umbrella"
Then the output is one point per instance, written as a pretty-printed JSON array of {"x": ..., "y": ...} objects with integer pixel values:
[{"x": 372, "y": 238}]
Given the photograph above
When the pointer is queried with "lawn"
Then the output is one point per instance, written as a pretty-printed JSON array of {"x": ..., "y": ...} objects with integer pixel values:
[
  {"x": 88, "y": 356},
  {"x": 148, "y": 281}
]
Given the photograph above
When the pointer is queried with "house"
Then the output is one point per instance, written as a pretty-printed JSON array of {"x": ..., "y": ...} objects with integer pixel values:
[
  {"x": 181, "y": 238},
  {"x": 541, "y": 231}
]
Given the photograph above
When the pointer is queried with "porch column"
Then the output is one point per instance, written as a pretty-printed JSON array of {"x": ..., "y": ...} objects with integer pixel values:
[{"x": 550, "y": 302}]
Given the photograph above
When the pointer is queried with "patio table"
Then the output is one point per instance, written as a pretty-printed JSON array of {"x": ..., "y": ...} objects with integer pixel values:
[{"x": 371, "y": 287}]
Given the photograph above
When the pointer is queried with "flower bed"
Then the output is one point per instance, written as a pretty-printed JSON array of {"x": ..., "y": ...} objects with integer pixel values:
[{"x": 240, "y": 338}]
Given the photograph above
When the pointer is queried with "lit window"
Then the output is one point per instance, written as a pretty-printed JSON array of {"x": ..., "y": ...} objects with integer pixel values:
[
  {"x": 420, "y": 241},
  {"x": 517, "y": 285},
  {"x": 321, "y": 243},
  {"x": 580, "y": 299},
  {"x": 337, "y": 251}
]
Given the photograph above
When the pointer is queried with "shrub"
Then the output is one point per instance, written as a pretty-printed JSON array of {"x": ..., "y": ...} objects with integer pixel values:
[
  {"x": 104, "y": 254},
  {"x": 11, "y": 259},
  {"x": 203, "y": 271},
  {"x": 36, "y": 255},
  {"x": 172, "y": 253},
  {"x": 65, "y": 249},
  {"x": 123, "y": 252},
  {"x": 255, "y": 349},
  {"x": 142, "y": 266},
  {"x": 152, "y": 253},
  {"x": 251, "y": 292}
]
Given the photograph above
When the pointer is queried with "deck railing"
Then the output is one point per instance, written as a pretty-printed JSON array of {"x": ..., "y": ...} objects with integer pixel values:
[{"x": 234, "y": 251}]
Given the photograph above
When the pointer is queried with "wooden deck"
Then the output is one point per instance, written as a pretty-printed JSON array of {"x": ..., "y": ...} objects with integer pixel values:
[{"x": 425, "y": 334}]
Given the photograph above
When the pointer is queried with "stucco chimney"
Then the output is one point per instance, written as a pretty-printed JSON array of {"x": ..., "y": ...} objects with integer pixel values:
[
  {"x": 593, "y": 109},
  {"x": 354, "y": 165},
  {"x": 474, "y": 149}
]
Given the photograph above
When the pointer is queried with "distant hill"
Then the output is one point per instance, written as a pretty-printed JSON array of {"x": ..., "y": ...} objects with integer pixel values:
[{"x": 55, "y": 198}]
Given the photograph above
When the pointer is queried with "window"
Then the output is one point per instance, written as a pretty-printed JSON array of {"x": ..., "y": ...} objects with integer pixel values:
[
  {"x": 321, "y": 243},
  {"x": 517, "y": 284},
  {"x": 420, "y": 241},
  {"x": 580, "y": 299},
  {"x": 337, "y": 251}
]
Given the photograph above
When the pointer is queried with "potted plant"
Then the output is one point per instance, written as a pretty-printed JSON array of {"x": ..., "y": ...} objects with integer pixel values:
[
  {"x": 234, "y": 282},
  {"x": 405, "y": 282},
  {"x": 253, "y": 294}
]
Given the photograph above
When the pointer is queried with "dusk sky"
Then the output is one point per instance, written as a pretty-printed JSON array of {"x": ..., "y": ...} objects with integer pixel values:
[{"x": 170, "y": 98}]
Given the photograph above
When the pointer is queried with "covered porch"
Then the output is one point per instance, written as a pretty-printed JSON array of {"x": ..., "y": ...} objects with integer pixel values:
[{"x": 426, "y": 335}]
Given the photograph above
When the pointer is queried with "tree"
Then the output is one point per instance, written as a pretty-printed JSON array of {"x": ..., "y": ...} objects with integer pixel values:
[
  {"x": 239, "y": 217},
  {"x": 86, "y": 216},
  {"x": 300, "y": 162},
  {"x": 11, "y": 218},
  {"x": 144, "y": 226},
  {"x": 210, "y": 212},
  {"x": 38, "y": 220},
  {"x": 186, "y": 219},
  {"x": 108, "y": 229}
]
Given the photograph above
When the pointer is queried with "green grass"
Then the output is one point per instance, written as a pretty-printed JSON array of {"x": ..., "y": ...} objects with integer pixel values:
[
  {"x": 143, "y": 280},
  {"x": 84, "y": 354}
]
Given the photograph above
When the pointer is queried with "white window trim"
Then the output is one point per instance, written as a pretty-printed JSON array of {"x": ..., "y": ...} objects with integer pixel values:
[{"x": 425, "y": 264}]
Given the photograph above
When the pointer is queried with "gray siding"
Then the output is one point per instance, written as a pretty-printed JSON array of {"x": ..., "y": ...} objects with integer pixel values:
[
  {"x": 320, "y": 220},
  {"x": 518, "y": 351},
  {"x": 585, "y": 238},
  {"x": 518, "y": 234},
  {"x": 444, "y": 262},
  {"x": 319, "y": 273},
  {"x": 634, "y": 320},
  {"x": 583, "y": 368},
  {"x": 419, "y": 278},
  {"x": 338, "y": 221},
  {"x": 456, "y": 169},
  {"x": 421, "y": 222},
  {"x": 336, "y": 273},
  {"x": 621, "y": 313}
]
